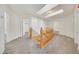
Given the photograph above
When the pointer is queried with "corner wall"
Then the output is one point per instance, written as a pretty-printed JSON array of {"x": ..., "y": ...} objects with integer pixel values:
[{"x": 63, "y": 25}]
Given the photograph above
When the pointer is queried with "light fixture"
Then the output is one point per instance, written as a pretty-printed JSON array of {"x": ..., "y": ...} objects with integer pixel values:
[
  {"x": 55, "y": 13},
  {"x": 46, "y": 8}
]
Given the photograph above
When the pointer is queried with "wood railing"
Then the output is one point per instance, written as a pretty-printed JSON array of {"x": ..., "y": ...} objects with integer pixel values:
[{"x": 44, "y": 38}]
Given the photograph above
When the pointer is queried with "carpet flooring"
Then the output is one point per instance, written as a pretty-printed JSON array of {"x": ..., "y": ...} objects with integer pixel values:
[{"x": 60, "y": 45}]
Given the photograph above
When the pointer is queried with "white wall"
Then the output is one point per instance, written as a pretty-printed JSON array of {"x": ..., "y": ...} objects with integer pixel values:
[
  {"x": 2, "y": 43},
  {"x": 14, "y": 27},
  {"x": 37, "y": 23},
  {"x": 1, "y": 23},
  {"x": 76, "y": 26},
  {"x": 2, "y": 17},
  {"x": 63, "y": 25},
  {"x": 12, "y": 23},
  {"x": 33, "y": 22}
]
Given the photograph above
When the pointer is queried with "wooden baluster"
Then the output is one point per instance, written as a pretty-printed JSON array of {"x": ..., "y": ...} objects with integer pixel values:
[
  {"x": 30, "y": 32},
  {"x": 41, "y": 33},
  {"x": 41, "y": 37}
]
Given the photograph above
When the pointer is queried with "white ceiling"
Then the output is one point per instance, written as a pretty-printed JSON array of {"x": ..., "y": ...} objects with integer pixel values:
[
  {"x": 25, "y": 9},
  {"x": 32, "y": 9}
]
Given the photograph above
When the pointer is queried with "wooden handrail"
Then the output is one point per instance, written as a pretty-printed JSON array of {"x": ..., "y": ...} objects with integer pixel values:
[{"x": 46, "y": 39}]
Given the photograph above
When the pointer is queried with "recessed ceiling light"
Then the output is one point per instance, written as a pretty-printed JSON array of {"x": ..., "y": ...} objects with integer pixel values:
[
  {"x": 46, "y": 8},
  {"x": 55, "y": 13},
  {"x": 49, "y": 12}
]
